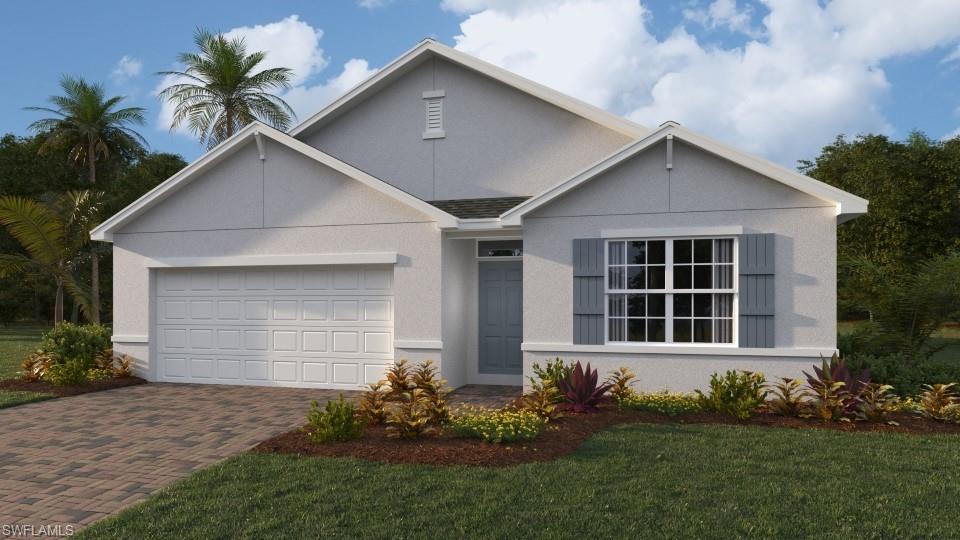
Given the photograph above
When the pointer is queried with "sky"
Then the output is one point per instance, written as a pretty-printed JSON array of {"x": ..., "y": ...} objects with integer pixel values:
[{"x": 778, "y": 78}]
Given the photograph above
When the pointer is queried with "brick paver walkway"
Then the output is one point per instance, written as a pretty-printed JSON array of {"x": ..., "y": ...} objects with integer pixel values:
[
  {"x": 72, "y": 461},
  {"x": 75, "y": 460}
]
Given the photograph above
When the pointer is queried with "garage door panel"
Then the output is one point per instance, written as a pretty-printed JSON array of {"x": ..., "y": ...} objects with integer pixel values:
[{"x": 313, "y": 327}]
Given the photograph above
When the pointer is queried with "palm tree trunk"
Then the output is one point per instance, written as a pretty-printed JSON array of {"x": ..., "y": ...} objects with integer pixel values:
[
  {"x": 92, "y": 159},
  {"x": 229, "y": 115},
  {"x": 95, "y": 285},
  {"x": 58, "y": 303}
]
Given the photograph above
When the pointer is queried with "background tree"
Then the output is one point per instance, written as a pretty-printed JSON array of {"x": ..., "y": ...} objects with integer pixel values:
[
  {"x": 222, "y": 93},
  {"x": 52, "y": 239},
  {"x": 914, "y": 192},
  {"x": 26, "y": 174},
  {"x": 89, "y": 125}
]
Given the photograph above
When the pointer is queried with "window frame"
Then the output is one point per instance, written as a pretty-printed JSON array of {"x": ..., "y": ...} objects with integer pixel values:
[{"x": 668, "y": 291}]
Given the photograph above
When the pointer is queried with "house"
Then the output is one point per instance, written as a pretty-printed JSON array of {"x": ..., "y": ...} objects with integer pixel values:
[{"x": 447, "y": 209}]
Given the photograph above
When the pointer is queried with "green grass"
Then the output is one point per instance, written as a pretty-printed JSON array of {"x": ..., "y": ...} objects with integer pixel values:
[
  {"x": 660, "y": 481},
  {"x": 12, "y": 398},
  {"x": 16, "y": 342}
]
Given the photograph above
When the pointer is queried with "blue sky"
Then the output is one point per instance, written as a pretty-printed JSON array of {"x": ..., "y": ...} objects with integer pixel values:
[{"x": 779, "y": 78}]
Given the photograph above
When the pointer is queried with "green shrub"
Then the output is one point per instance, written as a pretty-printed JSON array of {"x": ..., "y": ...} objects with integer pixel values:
[
  {"x": 412, "y": 416},
  {"x": 547, "y": 376},
  {"x": 787, "y": 397},
  {"x": 69, "y": 373},
  {"x": 497, "y": 425},
  {"x": 670, "y": 403},
  {"x": 68, "y": 341},
  {"x": 940, "y": 402},
  {"x": 99, "y": 374},
  {"x": 876, "y": 403},
  {"x": 906, "y": 373},
  {"x": 335, "y": 422},
  {"x": 736, "y": 393},
  {"x": 621, "y": 382}
]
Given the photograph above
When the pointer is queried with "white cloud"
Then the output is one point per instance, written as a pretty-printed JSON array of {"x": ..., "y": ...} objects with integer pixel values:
[
  {"x": 126, "y": 68},
  {"x": 307, "y": 100},
  {"x": 811, "y": 71},
  {"x": 294, "y": 44},
  {"x": 289, "y": 43},
  {"x": 723, "y": 13},
  {"x": 374, "y": 4}
]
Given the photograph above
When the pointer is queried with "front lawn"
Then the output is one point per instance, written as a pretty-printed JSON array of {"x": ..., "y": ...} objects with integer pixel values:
[
  {"x": 638, "y": 480},
  {"x": 12, "y": 398},
  {"x": 16, "y": 342}
]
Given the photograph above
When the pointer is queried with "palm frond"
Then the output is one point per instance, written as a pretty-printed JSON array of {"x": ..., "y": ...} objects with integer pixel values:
[{"x": 38, "y": 229}]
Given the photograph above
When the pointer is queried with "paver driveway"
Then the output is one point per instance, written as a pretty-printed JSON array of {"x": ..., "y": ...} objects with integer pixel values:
[{"x": 75, "y": 460}]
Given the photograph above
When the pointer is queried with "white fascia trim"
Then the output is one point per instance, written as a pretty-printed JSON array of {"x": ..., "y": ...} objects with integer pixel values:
[
  {"x": 672, "y": 232},
  {"x": 847, "y": 204},
  {"x": 104, "y": 232},
  {"x": 811, "y": 352},
  {"x": 483, "y": 224},
  {"x": 420, "y": 344},
  {"x": 573, "y": 105},
  {"x": 129, "y": 338},
  {"x": 318, "y": 259}
]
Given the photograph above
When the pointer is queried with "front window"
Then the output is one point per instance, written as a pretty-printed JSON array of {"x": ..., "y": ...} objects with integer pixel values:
[{"x": 671, "y": 291}]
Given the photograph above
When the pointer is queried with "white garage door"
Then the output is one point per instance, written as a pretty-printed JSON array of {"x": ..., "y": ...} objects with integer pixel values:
[{"x": 326, "y": 327}]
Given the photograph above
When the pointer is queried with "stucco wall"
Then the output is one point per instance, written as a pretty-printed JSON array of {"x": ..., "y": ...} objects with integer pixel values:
[
  {"x": 457, "y": 259},
  {"x": 307, "y": 209},
  {"x": 499, "y": 141},
  {"x": 701, "y": 191}
]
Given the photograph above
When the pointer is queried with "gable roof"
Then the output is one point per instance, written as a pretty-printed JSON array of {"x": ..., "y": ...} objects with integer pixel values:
[
  {"x": 490, "y": 207},
  {"x": 848, "y": 205},
  {"x": 256, "y": 130},
  {"x": 430, "y": 48}
]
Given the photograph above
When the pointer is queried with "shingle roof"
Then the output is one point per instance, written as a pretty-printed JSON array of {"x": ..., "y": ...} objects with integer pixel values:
[{"x": 478, "y": 208}]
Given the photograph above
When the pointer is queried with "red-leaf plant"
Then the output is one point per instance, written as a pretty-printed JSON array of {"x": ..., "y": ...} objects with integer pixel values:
[{"x": 581, "y": 391}]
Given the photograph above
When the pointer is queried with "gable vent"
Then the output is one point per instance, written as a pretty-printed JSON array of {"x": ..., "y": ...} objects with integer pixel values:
[{"x": 433, "y": 105}]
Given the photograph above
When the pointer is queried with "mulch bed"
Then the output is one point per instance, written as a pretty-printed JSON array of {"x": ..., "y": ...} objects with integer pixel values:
[
  {"x": 560, "y": 438},
  {"x": 63, "y": 391}
]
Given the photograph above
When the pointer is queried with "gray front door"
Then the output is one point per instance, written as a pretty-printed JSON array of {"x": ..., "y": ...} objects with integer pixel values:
[{"x": 501, "y": 316}]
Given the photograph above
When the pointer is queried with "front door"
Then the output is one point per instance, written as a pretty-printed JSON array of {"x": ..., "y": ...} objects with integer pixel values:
[{"x": 501, "y": 316}]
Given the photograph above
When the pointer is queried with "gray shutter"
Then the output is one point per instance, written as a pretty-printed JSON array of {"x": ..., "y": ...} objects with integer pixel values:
[
  {"x": 756, "y": 290},
  {"x": 588, "y": 298}
]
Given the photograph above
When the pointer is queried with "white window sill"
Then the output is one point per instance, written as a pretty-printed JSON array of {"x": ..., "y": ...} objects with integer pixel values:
[{"x": 714, "y": 350}]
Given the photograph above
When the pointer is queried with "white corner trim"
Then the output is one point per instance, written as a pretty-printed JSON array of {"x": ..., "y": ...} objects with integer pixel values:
[
  {"x": 672, "y": 232},
  {"x": 425, "y": 344},
  {"x": 811, "y": 352},
  {"x": 430, "y": 94},
  {"x": 129, "y": 338},
  {"x": 383, "y": 257}
]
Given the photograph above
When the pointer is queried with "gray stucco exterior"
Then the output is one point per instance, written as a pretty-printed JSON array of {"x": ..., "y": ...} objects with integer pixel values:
[
  {"x": 270, "y": 200},
  {"x": 528, "y": 145}
]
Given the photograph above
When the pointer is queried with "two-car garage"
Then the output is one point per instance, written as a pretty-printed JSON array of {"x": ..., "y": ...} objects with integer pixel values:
[{"x": 316, "y": 326}]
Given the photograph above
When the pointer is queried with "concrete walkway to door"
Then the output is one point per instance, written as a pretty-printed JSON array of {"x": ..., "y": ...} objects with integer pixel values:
[{"x": 75, "y": 460}]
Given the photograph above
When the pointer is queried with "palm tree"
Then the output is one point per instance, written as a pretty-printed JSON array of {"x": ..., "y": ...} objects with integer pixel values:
[
  {"x": 89, "y": 123},
  {"x": 52, "y": 235},
  {"x": 222, "y": 93}
]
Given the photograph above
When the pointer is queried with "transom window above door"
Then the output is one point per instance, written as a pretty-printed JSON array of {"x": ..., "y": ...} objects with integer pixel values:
[
  {"x": 679, "y": 290},
  {"x": 499, "y": 248}
]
